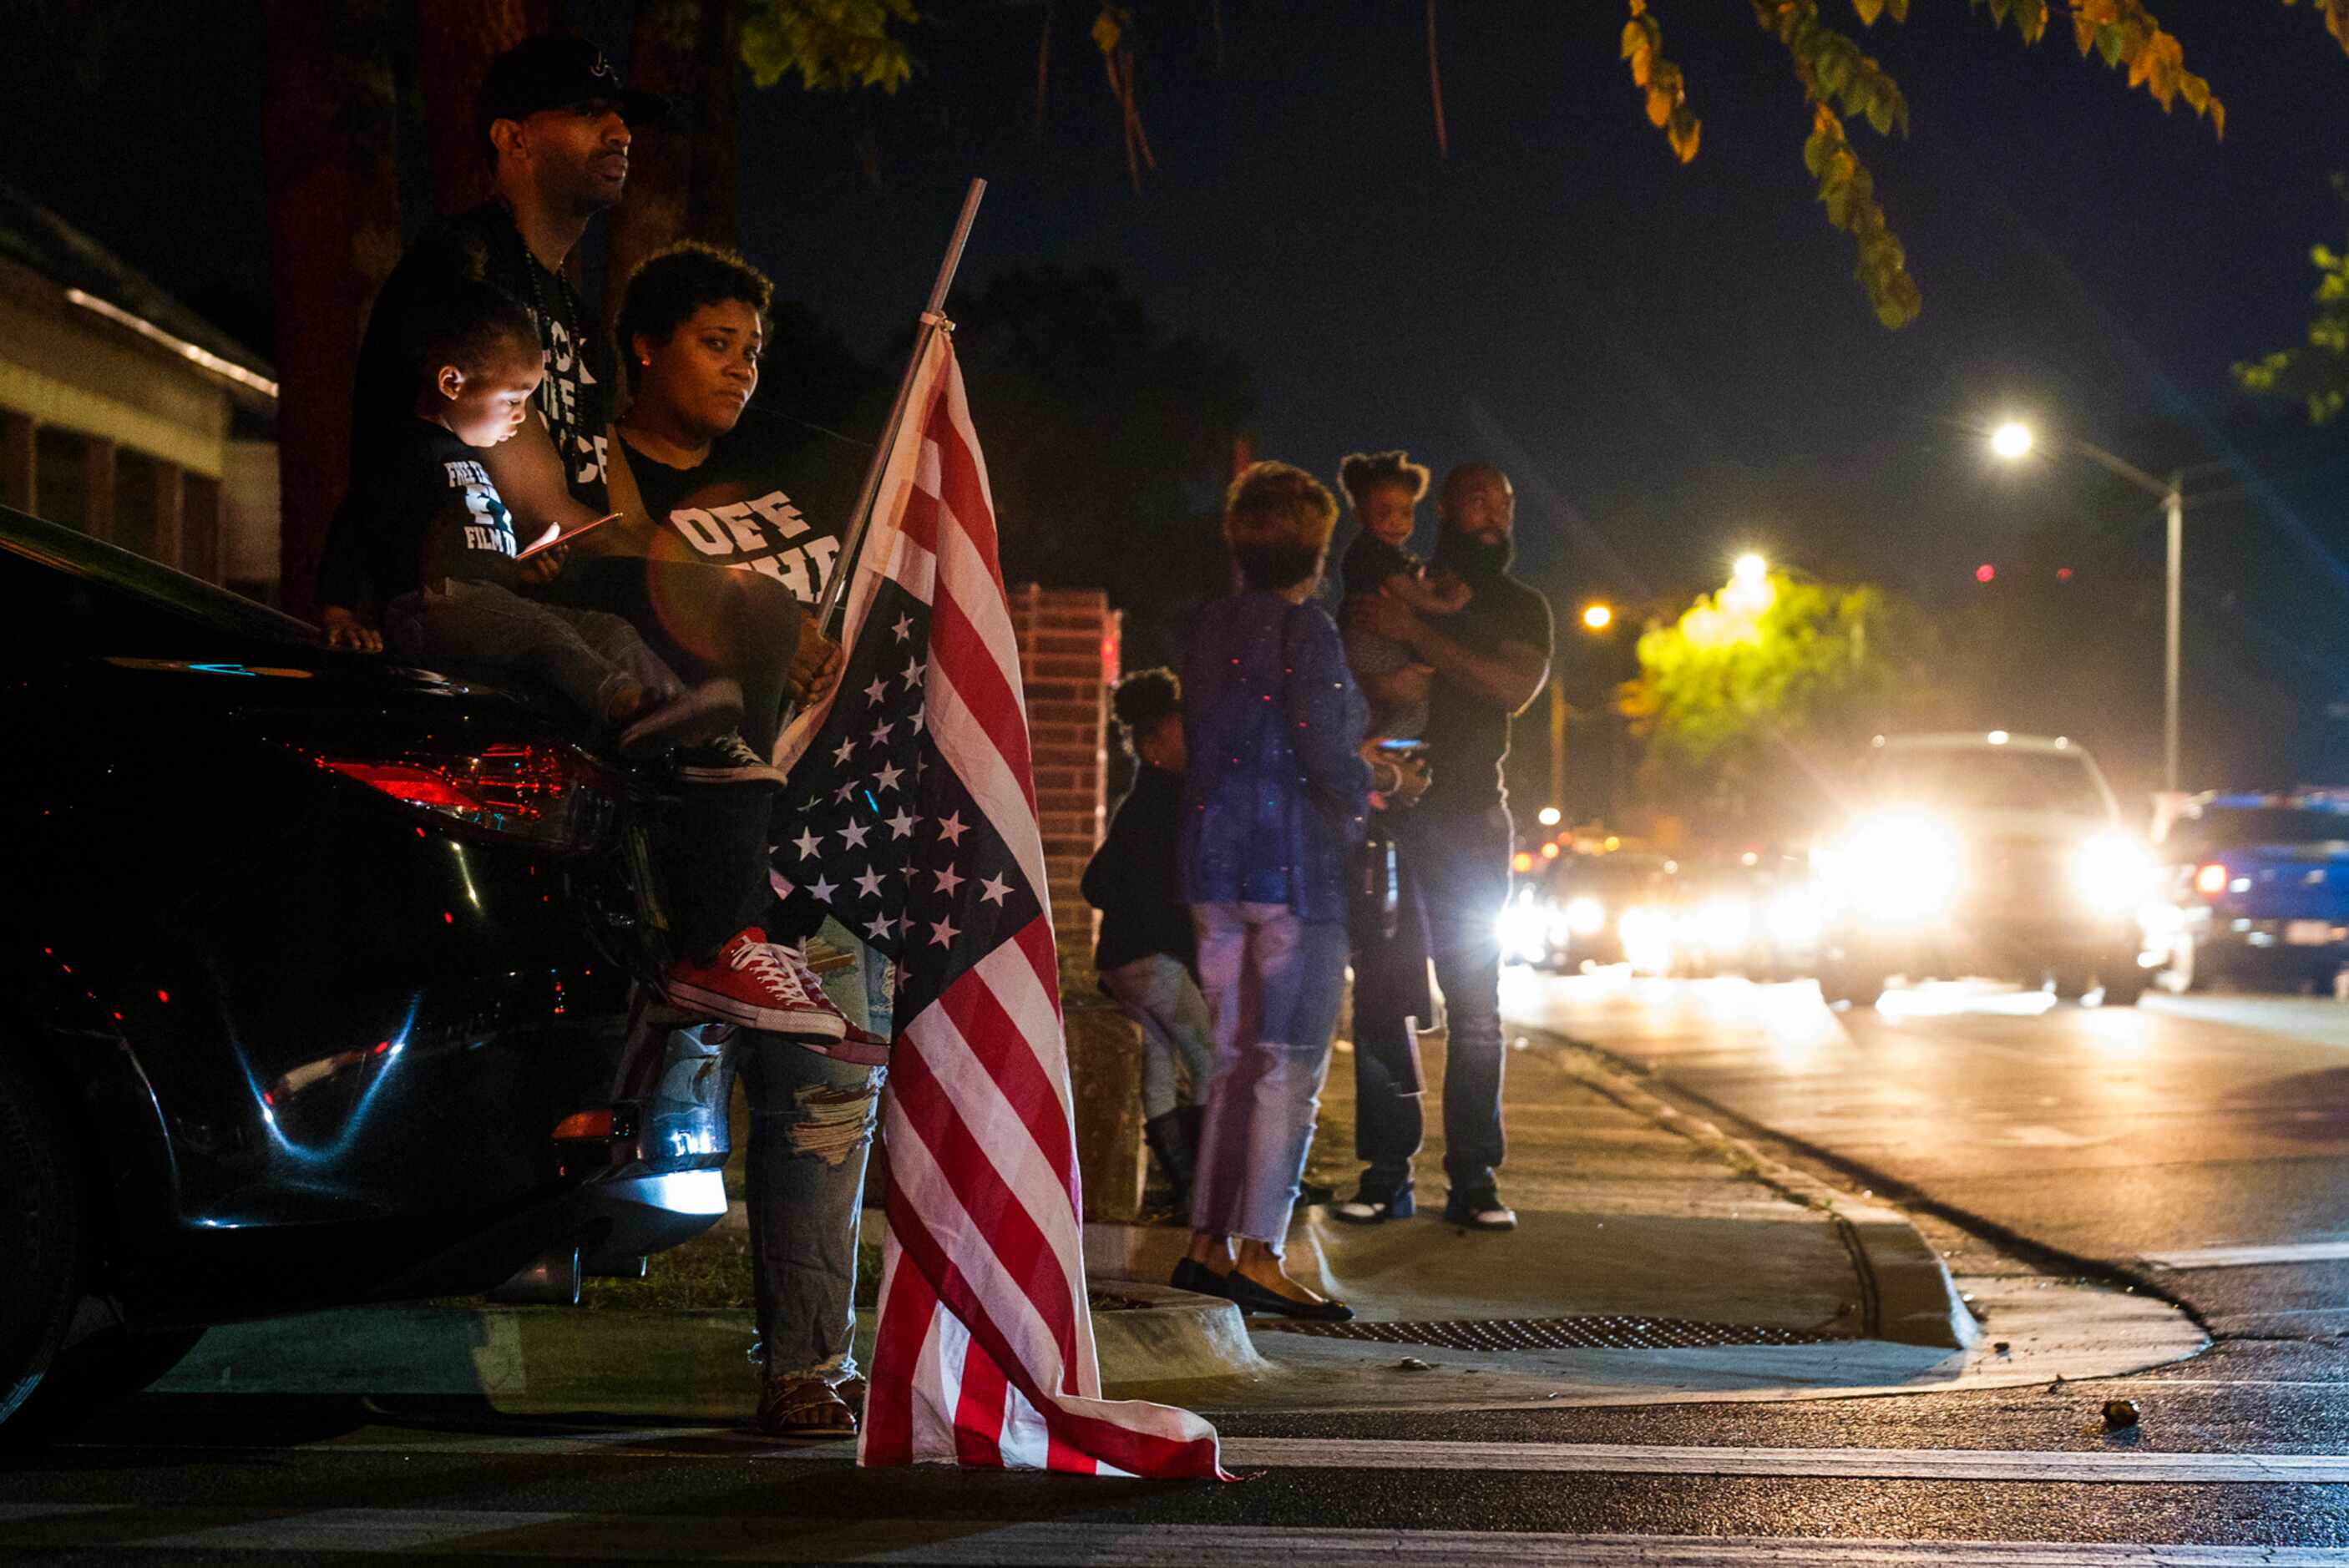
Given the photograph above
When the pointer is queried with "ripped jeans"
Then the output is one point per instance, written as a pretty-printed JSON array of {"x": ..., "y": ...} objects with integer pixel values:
[{"x": 812, "y": 1121}]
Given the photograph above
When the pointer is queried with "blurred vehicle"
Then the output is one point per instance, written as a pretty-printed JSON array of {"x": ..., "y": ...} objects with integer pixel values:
[
  {"x": 1758, "y": 915},
  {"x": 319, "y": 984},
  {"x": 2255, "y": 888},
  {"x": 1569, "y": 915},
  {"x": 1990, "y": 854}
]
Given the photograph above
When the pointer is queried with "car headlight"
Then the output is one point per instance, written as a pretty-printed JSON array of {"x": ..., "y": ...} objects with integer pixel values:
[
  {"x": 2111, "y": 872},
  {"x": 1524, "y": 932},
  {"x": 1899, "y": 868},
  {"x": 1585, "y": 916},
  {"x": 1724, "y": 924},
  {"x": 1647, "y": 933},
  {"x": 1794, "y": 918}
]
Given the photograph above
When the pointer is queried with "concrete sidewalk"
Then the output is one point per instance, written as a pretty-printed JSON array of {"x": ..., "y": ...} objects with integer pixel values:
[{"x": 1656, "y": 1260}]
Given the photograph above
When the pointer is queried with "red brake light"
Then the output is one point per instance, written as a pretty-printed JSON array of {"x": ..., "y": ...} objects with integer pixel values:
[
  {"x": 551, "y": 796},
  {"x": 584, "y": 1124},
  {"x": 2210, "y": 880}
]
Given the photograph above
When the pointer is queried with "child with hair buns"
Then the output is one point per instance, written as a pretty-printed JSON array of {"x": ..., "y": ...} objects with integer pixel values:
[{"x": 1386, "y": 487}]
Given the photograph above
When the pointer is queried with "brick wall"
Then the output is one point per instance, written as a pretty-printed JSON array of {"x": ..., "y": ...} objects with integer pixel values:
[{"x": 1067, "y": 658}]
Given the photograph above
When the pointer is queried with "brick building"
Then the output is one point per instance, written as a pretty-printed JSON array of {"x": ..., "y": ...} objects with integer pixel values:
[{"x": 1067, "y": 641}]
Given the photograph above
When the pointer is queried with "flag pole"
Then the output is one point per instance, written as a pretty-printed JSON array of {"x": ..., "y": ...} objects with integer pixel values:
[{"x": 932, "y": 321}]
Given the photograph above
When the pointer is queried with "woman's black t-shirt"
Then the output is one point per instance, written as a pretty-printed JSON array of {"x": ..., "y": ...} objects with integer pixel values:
[{"x": 770, "y": 497}]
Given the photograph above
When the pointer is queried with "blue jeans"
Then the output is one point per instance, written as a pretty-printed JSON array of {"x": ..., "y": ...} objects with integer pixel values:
[
  {"x": 812, "y": 1121},
  {"x": 1459, "y": 872},
  {"x": 1157, "y": 992},
  {"x": 1273, "y": 983}
]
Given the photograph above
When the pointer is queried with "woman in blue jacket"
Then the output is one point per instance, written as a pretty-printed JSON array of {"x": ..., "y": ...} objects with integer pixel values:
[{"x": 1273, "y": 805}]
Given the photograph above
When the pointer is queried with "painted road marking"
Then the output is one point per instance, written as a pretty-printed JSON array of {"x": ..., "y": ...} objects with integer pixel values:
[
  {"x": 2131, "y": 1467},
  {"x": 751, "y": 1539},
  {"x": 388, "y": 1529},
  {"x": 2126, "y": 1467},
  {"x": 2243, "y": 1257}
]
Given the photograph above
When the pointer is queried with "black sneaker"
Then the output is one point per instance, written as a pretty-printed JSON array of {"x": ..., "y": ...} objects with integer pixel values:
[
  {"x": 1479, "y": 1208},
  {"x": 728, "y": 759},
  {"x": 693, "y": 715}
]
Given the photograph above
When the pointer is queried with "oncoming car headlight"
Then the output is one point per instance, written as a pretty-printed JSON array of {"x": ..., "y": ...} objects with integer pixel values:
[
  {"x": 1899, "y": 868},
  {"x": 1524, "y": 929},
  {"x": 2111, "y": 872},
  {"x": 1585, "y": 916}
]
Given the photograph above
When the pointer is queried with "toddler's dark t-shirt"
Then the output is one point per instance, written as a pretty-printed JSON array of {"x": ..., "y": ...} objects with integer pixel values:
[
  {"x": 424, "y": 508},
  {"x": 1370, "y": 561}
]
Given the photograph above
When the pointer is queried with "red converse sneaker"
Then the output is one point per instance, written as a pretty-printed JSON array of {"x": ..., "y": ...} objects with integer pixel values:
[
  {"x": 748, "y": 984},
  {"x": 851, "y": 1044}
]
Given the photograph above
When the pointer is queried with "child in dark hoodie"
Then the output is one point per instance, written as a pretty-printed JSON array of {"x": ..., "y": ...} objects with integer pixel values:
[{"x": 1147, "y": 955}]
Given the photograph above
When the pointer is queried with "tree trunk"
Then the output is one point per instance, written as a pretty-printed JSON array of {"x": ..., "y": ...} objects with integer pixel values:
[
  {"x": 455, "y": 42},
  {"x": 682, "y": 172},
  {"x": 327, "y": 121}
]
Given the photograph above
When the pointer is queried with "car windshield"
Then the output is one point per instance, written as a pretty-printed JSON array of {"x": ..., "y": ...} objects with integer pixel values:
[
  {"x": 2230, "y": 826},
  {"x": 1988, "y": 779}
]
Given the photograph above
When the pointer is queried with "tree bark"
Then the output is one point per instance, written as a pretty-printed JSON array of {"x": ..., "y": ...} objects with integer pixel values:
[
  {"x": 683, "y": 173},
  {"x": 327, "y": 126},
  {"x": 455, "y": 42}
]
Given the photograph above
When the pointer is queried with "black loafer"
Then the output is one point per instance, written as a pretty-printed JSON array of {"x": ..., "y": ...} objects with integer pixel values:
[
  {"x": 1250, "y": 1296},
  {"x": 1194, "y": 1275}
]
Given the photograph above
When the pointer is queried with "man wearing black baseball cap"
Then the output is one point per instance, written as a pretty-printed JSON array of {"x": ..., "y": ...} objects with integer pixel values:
[{"x": 558, "y": 122}]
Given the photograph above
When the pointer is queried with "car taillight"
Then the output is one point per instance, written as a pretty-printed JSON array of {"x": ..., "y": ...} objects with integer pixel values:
[
  {"x": 2210, "y": 880},
  {"x": 551, "y": 797}
]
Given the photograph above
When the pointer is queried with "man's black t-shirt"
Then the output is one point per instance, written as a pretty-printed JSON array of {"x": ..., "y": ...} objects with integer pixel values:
[
  {"x": 575, "y": 398},
  {"x": 1468, "y": 732},
  {"x": 770, "y": 497},
  {"x": 423, "y": 509}
]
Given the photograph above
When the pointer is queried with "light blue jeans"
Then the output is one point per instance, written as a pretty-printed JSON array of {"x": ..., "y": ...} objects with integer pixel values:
[
  {"x": 1272, "y": 982},
  {"x": 1157, "y": 992},
  {"x": 812, "y": 1121}
]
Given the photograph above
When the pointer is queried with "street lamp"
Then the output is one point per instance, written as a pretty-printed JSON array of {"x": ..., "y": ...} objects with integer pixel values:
[
  {"x": 1750, "y": 568},
  {"x": 2014, "y": 440},
  {"x": 1597, "y": 617}
]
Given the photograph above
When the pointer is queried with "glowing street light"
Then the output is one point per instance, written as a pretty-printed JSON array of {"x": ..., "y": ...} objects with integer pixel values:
[
  {"x": 1599, "y": 617},
  {"x": 1750, "y": 569},
  {"x": 1550, "y": 816},
  {"x": 2011, "y": 440}
]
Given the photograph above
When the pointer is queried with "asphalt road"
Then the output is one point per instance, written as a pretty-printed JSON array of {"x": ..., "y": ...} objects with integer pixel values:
[{"x": 2189, "y": 1132}]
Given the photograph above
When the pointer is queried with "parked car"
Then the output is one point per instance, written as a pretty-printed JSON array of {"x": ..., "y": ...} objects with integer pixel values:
[
  {"x": 1983, "y": 853},
  {"x": 319, "y": 982},
  {"x": 2255, "y": 890}
]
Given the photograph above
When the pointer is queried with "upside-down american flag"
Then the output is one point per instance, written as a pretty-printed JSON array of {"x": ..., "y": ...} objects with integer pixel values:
[{"x": 913, "y": 806}]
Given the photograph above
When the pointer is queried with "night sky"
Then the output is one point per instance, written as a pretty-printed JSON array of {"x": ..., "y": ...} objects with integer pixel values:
[{"x": 1673, "y": 362}]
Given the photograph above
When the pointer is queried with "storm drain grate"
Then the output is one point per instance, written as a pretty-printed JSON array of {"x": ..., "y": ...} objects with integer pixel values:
[{"x": 1593, "y": 1333}]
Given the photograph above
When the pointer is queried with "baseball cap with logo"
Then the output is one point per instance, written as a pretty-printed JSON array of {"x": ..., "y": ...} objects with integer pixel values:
[{"x": 556, "y": 71}]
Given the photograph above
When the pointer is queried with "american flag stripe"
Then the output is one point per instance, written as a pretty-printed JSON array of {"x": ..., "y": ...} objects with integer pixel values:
[
  {"x": 912, "y": 795},
  {"x": 997, "y": 1239}
]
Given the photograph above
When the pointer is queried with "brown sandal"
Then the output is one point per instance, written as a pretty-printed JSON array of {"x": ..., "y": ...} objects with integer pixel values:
[{"x": 804, "y": 1407}]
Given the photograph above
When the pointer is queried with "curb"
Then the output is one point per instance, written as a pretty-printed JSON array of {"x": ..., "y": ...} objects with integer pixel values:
[
  {"x": 557, "y": 1360},
  {"x": 1908, "y": 1296}
]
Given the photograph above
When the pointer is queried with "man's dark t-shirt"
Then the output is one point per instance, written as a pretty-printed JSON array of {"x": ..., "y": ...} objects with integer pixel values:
[
  {"x": 771, "y": 497},
  {"x": 1370, "y": 561},
  {"x": 575, "y": 398},
  {"x": 1468, "y": 732},
  {"x": 423, "y": 509}
]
